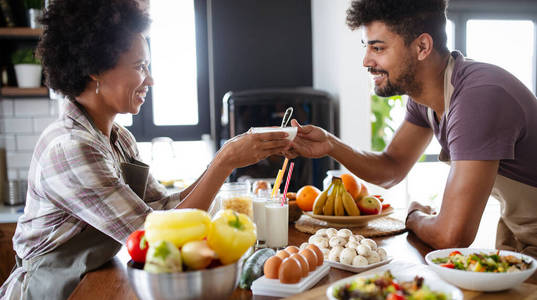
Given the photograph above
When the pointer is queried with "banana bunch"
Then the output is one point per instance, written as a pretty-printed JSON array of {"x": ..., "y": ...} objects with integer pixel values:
[{"x": 335, "y": 201}]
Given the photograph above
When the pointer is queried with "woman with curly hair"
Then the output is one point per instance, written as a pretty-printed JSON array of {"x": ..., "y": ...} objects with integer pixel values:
[{"x": 87, "y": 189}]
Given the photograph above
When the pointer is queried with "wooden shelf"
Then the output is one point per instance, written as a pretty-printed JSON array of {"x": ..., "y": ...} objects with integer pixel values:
[
  {"x": 20, "y": 32},
  {"x": 24, "y": 92}
]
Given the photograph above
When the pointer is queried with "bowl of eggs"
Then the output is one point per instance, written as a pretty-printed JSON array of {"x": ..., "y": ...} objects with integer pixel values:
[{"x": 344, "y": 250}]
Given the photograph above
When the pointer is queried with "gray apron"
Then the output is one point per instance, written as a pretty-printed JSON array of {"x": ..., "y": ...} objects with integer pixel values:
[
  {"x": 56, "y": 274},
  {"x": 517, "y": 227}
]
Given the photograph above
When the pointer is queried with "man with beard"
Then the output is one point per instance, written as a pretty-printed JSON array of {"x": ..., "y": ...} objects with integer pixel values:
[{"x": 482, "y": 116}]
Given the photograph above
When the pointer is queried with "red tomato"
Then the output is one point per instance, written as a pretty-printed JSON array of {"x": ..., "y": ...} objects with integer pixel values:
[
  {"x": 137, "y": 246},
  {"x": 395, "y": 296},
  {"x": 396, "y": 286},
  {"x": 455, "y": 253},
  {"x": 448, "y": 265}
]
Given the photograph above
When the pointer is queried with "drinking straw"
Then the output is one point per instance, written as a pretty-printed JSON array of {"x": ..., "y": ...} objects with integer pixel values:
[
  {"x": 287, "y": 182},
  {"x": 277, "y": 183}
]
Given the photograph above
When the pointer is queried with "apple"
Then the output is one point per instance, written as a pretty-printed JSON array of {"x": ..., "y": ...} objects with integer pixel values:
[
  {"x": 369, "y": 205},
  {"x": 363, "y": 192}
]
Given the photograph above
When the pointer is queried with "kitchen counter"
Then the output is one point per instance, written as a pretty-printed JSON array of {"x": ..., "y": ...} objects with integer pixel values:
[
  {"x": 110, "y": 281},
  {"x": 10, "y": 214}
]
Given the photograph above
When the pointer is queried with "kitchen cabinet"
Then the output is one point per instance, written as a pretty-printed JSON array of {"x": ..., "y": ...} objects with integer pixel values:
[
  {"x": 14, "y": 37},
  {"x": 7, "y": 255}
]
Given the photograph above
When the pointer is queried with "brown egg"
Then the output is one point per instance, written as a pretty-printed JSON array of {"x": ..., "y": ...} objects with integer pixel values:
[
  {"x": 290, "y": 271},
  {"x": 292, "y": 249},
  {"x": 311, "y": 257},
  {"x": 283, "y": 254},
  {"x": 271, "y": 267},
  {"x": 318, "y": 252},
  {"x": 303, "y": 264}
]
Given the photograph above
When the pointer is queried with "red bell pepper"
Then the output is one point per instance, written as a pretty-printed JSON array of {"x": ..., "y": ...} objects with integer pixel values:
[
  {"x": 137, "y": 246},
  {"x": 448, "y": 265},
  {"x": 455, "y": 253}
]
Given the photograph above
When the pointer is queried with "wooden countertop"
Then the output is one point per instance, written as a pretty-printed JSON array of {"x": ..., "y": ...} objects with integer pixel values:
[{"x": 110, "y": 282}]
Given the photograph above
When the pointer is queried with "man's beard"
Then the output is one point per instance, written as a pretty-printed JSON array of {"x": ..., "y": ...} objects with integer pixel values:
[{"x": 405, "y": 84}]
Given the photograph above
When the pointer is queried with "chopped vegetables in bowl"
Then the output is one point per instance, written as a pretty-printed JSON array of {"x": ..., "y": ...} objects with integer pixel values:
[
  {"x": 482, "y": 269},
  {"x": 386, "y": 286}
]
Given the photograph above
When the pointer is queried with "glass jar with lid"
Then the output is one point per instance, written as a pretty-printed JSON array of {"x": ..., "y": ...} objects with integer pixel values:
[{"x": 236, "y": 196}]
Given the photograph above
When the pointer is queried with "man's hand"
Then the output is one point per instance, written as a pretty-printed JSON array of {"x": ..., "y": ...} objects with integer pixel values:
[{"x": 311, "y": 141}]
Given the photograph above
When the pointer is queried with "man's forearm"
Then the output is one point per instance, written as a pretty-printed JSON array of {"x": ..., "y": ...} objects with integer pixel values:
[
  {"x": 429, "y": 229},
  {"x": 377, "y": 168}
]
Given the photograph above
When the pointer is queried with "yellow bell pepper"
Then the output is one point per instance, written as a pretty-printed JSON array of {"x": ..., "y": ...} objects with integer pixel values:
[
  {"x": 230, "y": 235},
  {"x": 177, "y": 226}
]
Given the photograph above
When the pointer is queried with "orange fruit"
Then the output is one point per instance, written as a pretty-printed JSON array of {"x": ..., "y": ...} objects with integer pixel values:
[
  {"x": 351, "y": 185},
  {"x": 306, "y": 196}
]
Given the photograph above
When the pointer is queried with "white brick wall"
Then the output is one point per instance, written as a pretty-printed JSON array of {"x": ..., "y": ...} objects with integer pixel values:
[{"x": 21, "y": 122}]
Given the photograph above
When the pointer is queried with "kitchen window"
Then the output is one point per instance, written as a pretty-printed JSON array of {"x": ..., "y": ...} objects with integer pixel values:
[{"x": 177, "y": 106}]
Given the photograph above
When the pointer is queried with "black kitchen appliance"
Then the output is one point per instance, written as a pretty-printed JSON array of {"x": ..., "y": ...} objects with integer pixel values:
[{"x": 266, "y": 107}]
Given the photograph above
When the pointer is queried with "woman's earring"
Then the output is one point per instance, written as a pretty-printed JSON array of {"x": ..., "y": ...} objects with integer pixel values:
[{"x": 97, "y": 89}]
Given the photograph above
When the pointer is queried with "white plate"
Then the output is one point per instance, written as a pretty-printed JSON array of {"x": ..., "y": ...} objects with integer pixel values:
[
  {"x": 273, "y": 287},
  {"x": 433, "y": 283},
  {"x": 350, "y": 268},
  {"x": 290, "y": 130},
  {"x": 480, "y": 281},
  {"x": 357, "y": 220}
]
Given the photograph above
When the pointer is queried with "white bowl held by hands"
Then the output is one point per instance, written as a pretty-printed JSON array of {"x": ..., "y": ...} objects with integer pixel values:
[
  {"x": 480, "y": 281},
  {"x": 291, "y": 131}
]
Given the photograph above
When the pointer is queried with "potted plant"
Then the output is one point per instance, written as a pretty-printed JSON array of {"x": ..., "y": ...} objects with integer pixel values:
[
  {"x": 27, "y": 68},
  {"x": 34, "y": 9}
]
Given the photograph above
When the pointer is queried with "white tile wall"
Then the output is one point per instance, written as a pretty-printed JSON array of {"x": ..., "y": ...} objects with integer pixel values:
[{"x": 21, "y": 123}]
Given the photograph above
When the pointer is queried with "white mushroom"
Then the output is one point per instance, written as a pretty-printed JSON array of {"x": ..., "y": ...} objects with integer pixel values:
[
  {"x": 373, "y": 257},
  {"x": 325, "y": 252},
  {"x": 344, "y": 233},
  {"x": 347, "y": 255},
  {"x": 352, "y": 238},
  {"x": 337, "y": 241},
  {"x": 321, "y": 232},
  {"x": 359, "y": 261},
  {"x": 363, "y": 250},
  {"x": 358, "y": 237},
  {"x": 382, "y": 253},
  {"x": 303, "y": 246},
  {"x": 333, "y": 255},
  {"x": 352, "y": 244},
  {"x": 319, "y": 241},
  {"x": 370, "y": 243},
  {"x": 330, "y": 232}
]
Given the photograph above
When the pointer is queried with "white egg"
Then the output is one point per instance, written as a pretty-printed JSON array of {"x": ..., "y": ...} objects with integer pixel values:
[
  {"x": 373, "y": 257},
  {"x": 337, "y": 241},
  {"x": 370, "y": 243},
  {"x": 359, "y": 261},
  {"x": 363, "y": 250},
  {"x": 346, "y": 256},
  {"x": 382, "y": 253}
]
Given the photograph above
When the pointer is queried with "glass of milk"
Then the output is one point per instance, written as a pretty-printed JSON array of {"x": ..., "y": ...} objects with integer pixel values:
[
  {"x": 276, "y": 221},
  {"x": 260, "y": 200}
]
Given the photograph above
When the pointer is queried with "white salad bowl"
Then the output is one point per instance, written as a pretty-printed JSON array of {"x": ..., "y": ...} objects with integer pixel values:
[{"x": 480, "y": 281}]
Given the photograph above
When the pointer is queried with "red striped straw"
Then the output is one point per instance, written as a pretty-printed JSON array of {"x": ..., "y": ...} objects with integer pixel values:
[{"x": 287, "y": 182}]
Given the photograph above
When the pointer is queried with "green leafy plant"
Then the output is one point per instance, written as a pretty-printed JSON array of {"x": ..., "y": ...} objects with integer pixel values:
[
  {"x": 24, "y": 56},
  {"x": 381, "y": 108},
  {"x": 35, "y": 4}
]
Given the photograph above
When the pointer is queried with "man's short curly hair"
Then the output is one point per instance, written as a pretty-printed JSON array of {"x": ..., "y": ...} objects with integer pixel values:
[
  {"x": 86, "y": 37},
  {"x": 408, "y": 18}
]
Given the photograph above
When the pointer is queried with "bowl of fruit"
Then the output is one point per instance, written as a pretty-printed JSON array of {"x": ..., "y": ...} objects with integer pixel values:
[
  {"x": 346, "y": 201},
  {"x": 183, "y": 254}
]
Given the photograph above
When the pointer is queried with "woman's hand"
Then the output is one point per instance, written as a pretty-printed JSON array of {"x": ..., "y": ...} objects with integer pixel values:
[
  {"x": 249, "y": 148},
  {"x": 311, "y": 141}
]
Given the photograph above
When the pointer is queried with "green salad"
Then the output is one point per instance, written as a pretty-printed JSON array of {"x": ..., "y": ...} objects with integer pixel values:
[
  {"x": 482, "y": 262},
  {"x": 385, "y": 286}
]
